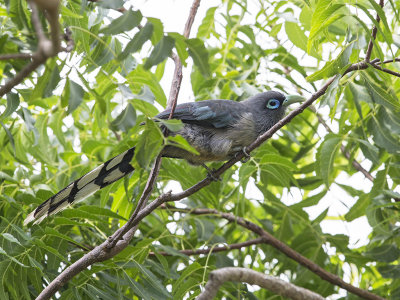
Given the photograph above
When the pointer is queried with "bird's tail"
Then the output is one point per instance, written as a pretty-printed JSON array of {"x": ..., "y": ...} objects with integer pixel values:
[{"x": 103, "y": 175}]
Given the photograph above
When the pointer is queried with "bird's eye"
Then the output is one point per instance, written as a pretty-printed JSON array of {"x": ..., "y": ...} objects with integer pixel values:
[{"x": 273, "y": 104}]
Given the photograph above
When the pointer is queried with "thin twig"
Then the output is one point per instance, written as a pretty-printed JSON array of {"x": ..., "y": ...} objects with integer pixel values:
[
  {"x": 273, "y": 284},
  {"x": 386, "y": 61},
  {"x": 176, "y": 82},
  {"x": 373, "y": 35},
  {"x": 385, "y": 70},
  {"x": 214, "y": 249},
  {"x": 285, "y": 249},
  {"x": 16, "y": 56},
  {"x": 36, "y": 22}
]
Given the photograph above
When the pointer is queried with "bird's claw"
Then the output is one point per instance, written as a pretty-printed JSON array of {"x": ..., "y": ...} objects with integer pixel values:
[
  {"x": 246, "y": 156},
  {"x": 213, "y": 177},
  {"x": 210, "y": 173}
]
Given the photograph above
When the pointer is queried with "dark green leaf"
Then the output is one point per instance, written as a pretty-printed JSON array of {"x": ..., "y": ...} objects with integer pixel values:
[
  {"x": 137, "y": 41},
  {"x": 160, "y": 52},
  {"x": 126, "y": 22},
  {"x": 326, "y": 156},
  {"x": 386, "y": 253},
  {"x": 207, "y": 26},
  {"x": 125, "y": 120},
  {"x": 199, "y": 55},
  {"x": 149, "y": 144},
  {"x": 75, "y": 96},
  {"x": 12, "y": 105}
]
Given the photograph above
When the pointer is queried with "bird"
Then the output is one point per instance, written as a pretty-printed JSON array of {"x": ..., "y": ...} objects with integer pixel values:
[{"x": 216, "y": 129}]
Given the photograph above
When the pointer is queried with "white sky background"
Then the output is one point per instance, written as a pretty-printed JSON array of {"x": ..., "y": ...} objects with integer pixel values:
[{"x": 173, "y": 14}]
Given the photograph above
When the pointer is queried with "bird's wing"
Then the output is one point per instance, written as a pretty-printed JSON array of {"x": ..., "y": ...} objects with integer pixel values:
[{"x": 207, "y": 113}]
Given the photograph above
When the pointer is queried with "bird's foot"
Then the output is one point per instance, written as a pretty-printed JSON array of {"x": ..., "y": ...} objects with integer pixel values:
[
  {"x": 210, "y": 173},
  {"x": 246, "y": 156}
]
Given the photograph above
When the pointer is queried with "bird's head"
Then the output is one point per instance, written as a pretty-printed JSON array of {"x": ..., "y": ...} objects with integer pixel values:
[{"x": 269, "y": 107}]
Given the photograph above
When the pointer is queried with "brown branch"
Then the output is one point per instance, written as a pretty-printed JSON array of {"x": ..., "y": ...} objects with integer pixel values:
[
  {"x": 285, "y": 249},
  {"x": 176, "y": 82},
  {"x": 373, "y": 35},
  {"x": 385, "y": 70},
  {"x": 273, "y": 284},
  {"x": 386, "y": 61},
  {"x": 214, "y": 249},
  {"x": 46, "y": 48},
  {"x": 16, "y": 56}
]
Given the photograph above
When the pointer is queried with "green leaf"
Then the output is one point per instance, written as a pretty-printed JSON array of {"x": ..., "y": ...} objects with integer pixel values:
[
  {"x": 160, "y": 52},
  {"x": 142, "y": 76},
  {"x": 326, "y": 156},
  {"x": 207, "y": 25},
  {"x": 173, "y": 125},
  {"x": 95, "y": 210},
  {"x": 380, "y": 96},
  {"x": 297, "y": 36},
  {"x": 276, "y": 29},
  {"x": 382, "y": 136},
  {"x": 9, "y": 135},
  {"x": 125, "y": 120},
  {"x": 29, "y": 122},
  {"x": 188, "y": 271},
  {"x": 52, "y": 83},
  {"x": 390, "y": 271},
  {"x": 336, "y": 66},
  {"x": 386, "y": 253},
  {"x": 126, "y": 22},
  {"x": 180, "y": 46},
  {"x": 358, "y": 209},
  {"x": 154, "y": 282},
  {"x": 75, "y": 96},
  {"x": 11, "y": 238},
  {"x": 53, "y": 232},
  {"x": 180, "y": 142},
  {"x": 199, "y": 54},
  {"x": 277, "y": 160},
  {"x": 325, "y": 13},
  {"x": 12, "y": 105},
  {"x": 158, "y": 30},
  {"x": 149, "y": 144},
  {"x": 137, "y": 41},
  {"x": 2, "y": 251}
]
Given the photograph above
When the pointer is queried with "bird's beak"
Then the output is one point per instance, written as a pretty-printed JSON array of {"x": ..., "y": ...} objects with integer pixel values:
[{"x": 290, "y": 99}]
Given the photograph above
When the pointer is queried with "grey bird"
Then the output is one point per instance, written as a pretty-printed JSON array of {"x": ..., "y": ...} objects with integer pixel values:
[{"x": 217, "y": 129}]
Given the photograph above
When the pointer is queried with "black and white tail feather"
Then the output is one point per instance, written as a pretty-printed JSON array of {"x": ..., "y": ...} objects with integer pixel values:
[{"x": 105, "y": 174}]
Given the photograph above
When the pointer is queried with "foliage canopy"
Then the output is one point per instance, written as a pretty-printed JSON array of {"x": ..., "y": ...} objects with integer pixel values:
[{"x": 81, "y": 108}]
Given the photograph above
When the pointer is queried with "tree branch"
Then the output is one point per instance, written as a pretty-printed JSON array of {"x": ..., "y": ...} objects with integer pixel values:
[
  {"x": 276, "y": 285},
  {"x": 285, "y": 249},
  {"x": 214, "y": 249},
  {"x": 16, "y": 56},
  {"x": 176, "y": 82},
  {"x": 46, "y": 48},
  {"x": 385, "y": 70},
  {"x": 373, "y": 36}
]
